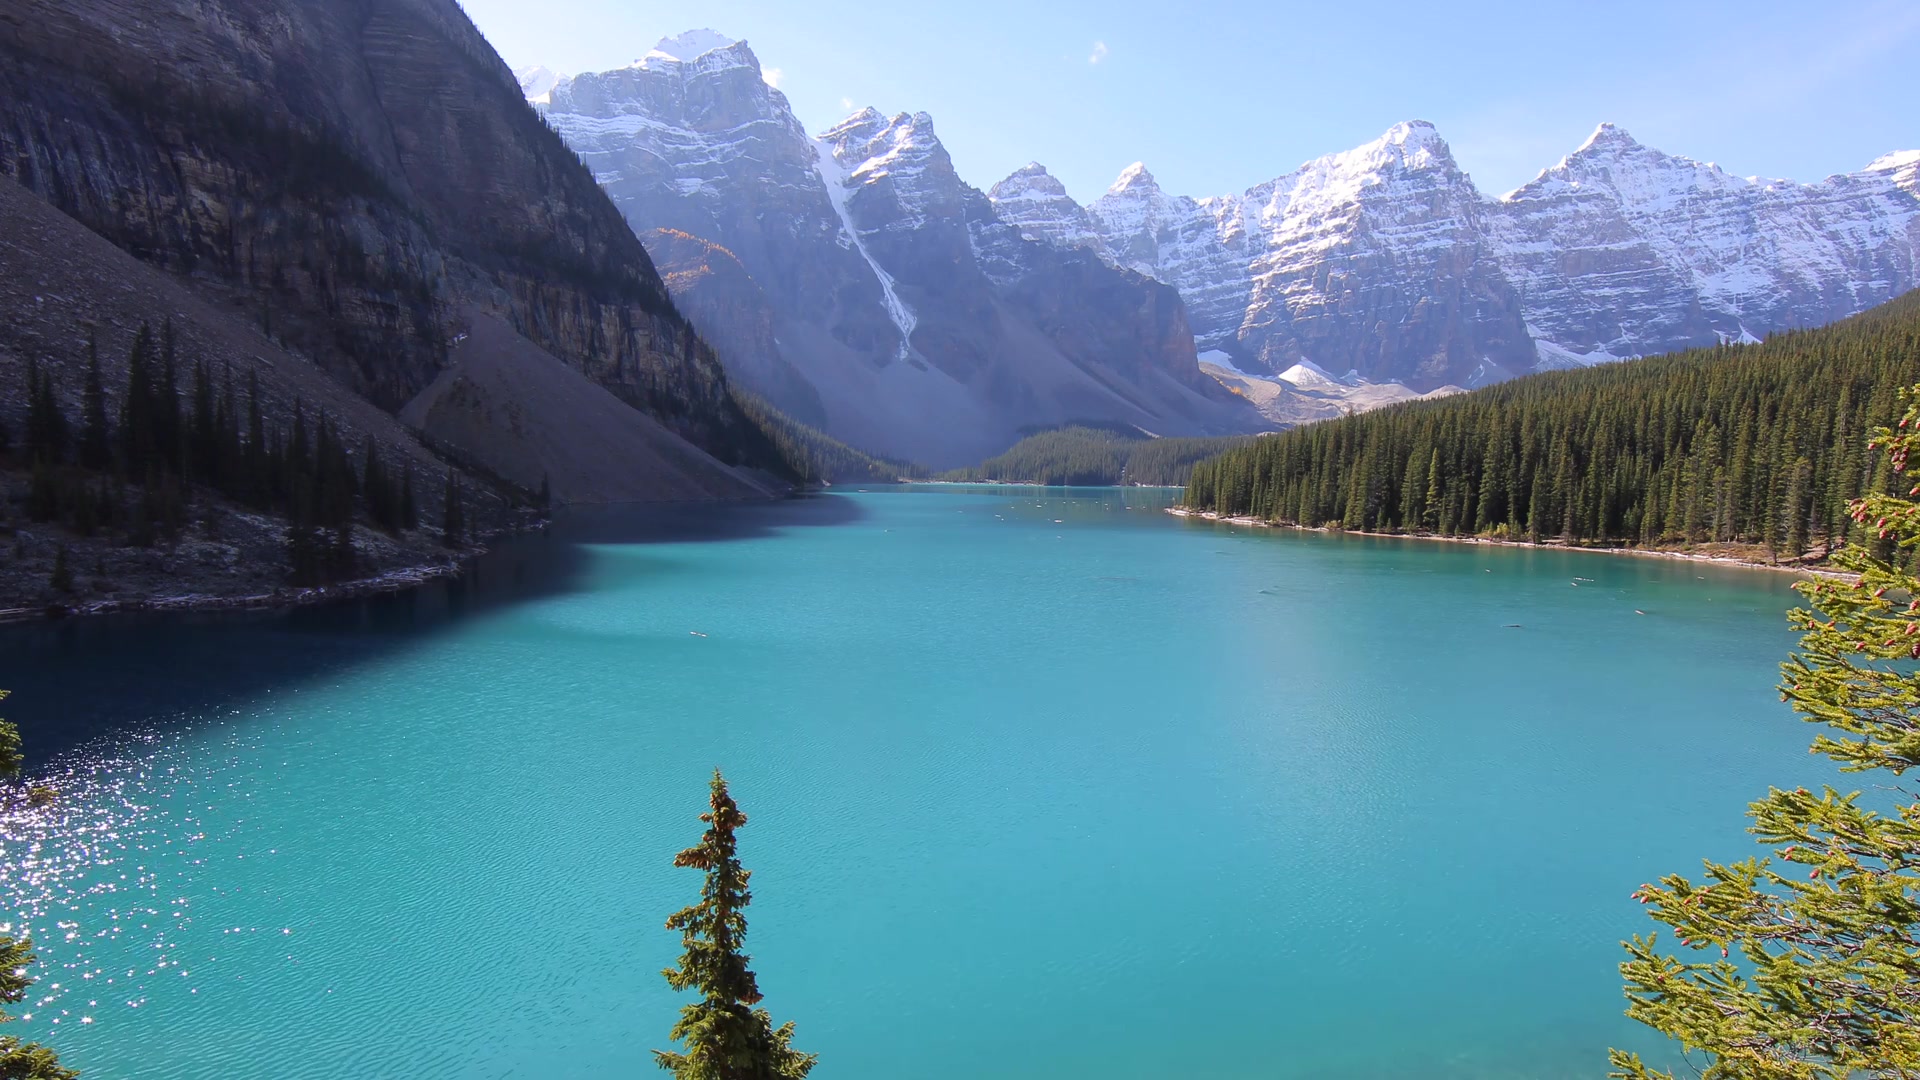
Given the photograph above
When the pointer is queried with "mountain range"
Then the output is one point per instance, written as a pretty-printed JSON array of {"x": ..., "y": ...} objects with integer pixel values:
[
  {"x": 857, "y": 282},
  {"x": 1386, "y": 260}
]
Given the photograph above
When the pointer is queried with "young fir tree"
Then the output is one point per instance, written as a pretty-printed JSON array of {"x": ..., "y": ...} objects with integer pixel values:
[
  {"x": 20, "y": 1060},
  {"x": 1827, "y": 982},
  {"x": 726, "y": 1038}
]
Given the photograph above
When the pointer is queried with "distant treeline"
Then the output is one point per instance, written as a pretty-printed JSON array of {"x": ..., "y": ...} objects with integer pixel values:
[
  {"x": 1096, "y": 457},
  {"x": 817, "y": 457},
  {"x": 1761, "y": 444}
]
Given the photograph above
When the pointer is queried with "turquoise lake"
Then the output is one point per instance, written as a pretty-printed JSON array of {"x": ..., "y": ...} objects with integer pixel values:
[{"x": 1042, "y": 784}]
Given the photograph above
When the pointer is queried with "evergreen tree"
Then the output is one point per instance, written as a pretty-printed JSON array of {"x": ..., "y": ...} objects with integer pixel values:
[
  {"x": 96, "y": 443},
  {"x": 204, "y": 458},
  {"x": 139, "y": 434},
  {"x": 409, "y": 508},
  {"x": 726, "y": 1038},
  {"x": 46, "y": 425},
  {"x": 20, "y": 1060},
  {"x": 169, "y": 430},
  {"x": 1827, "y": 983},
  {"x": 62, "y": 578},
  {"x": 453, "y": 519}
]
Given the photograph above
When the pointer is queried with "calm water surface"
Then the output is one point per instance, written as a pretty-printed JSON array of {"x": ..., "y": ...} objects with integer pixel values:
[{"x": 1042, "y": 785}]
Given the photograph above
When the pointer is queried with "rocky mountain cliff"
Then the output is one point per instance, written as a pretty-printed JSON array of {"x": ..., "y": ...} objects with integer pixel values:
[
  {"x": 857, "y": 282},
  {"x": 1386, "y": 261},
  {"x": 355, "y": 175}
]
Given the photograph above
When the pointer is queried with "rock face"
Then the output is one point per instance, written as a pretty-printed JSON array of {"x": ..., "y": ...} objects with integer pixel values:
[
  {"x": 1386, "y": 262},
  {"x": 530, "y": 418},
  {"x": 857, "y": 282},
  {"x": 355, "y": 174}
]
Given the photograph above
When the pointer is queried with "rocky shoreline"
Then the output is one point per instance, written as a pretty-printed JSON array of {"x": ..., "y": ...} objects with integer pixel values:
[
  {"x": 389, "y": 581},
  {"x": 1802, "y": 569}
]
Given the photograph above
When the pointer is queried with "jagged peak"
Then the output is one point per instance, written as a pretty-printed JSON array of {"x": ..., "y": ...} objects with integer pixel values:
[
  {"x": 1416, "y": 133},
  {"x": 538, "y": 81},
  {"x": 1027, "y": 181},
  {"x": 1608, "y": 138},
  {"x": 691, "y": 45},
  {"x": 1417, "y": 143},
  {"x": 865, "y": 118},
  {"x": 1134, "y": 177}
]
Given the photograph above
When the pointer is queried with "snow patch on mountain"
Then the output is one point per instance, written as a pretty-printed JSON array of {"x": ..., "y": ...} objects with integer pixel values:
[
  {"x": 837, "y": 177},
  {"x": 537, "y": 83},
  {"x": 689, "y": 46}
]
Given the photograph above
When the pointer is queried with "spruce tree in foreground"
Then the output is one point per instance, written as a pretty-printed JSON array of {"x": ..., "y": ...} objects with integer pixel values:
[
  {"x": 1826, "y": 983},
  {"x": 20, "y": 1060},
  {"x": 726, "y": 1038}
]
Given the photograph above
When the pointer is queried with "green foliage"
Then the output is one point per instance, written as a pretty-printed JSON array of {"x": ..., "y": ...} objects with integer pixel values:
[
  {"x": 1758, "y": 444},
  {"x": 726, "y": 1038},
  {"x": 1827, "y": 983},
  {"x": 816, "y": 457},
  {"x": 20, "y": 1060},
  {"x": 1083, "y": 455}
]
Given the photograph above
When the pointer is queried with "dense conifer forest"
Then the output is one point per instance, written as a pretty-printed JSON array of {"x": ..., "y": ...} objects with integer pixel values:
[
  {"x": 816, "y": 457},
  {"x": 134, "y": 476},
  {"x": 1096, "y": 457},
  {"x": 1748, "y": 444}
]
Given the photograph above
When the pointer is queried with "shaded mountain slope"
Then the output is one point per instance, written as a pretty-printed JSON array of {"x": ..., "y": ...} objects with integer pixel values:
[{"x": 357, "y": 173}]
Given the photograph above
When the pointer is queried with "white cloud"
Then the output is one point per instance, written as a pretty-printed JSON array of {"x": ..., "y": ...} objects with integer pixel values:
[
  {"x": 1100, "y": 51},
  {"x": 846, "y": 103},
  {"x": 773, "y": 76}
]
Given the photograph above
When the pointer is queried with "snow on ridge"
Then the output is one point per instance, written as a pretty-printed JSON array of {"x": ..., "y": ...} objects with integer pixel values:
[
  {"x": 1899, "y": 159},
  {"x": 691, "y": 45}
]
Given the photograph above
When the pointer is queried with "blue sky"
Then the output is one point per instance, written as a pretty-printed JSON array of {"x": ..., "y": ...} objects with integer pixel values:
[{"x": 1217, "y": 96}]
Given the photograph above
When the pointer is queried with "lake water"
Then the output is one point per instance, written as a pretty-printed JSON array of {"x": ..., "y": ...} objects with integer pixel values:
[{"x": 1042, "y": 785}]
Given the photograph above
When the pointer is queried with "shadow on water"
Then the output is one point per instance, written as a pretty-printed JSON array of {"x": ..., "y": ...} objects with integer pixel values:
[{"x": 80, "y": 679}]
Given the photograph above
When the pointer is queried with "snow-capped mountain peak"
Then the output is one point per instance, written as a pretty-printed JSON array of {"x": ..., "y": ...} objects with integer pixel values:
[
  {"x": 1608, "y": 138},
  {"x": 1029, "y": 182},
  {"x": 537, "y": 82},
  {"x": 1618, "y": 250},
  {"x": 1134, "y": 177},
  {"x": 1894, "y": 162},
  {"x": 1035, "y": 202},
  {"x": 689, "y": 46}
]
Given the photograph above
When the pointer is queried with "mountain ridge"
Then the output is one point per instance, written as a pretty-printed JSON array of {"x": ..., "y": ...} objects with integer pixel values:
[{"x": 1591, "y": 255}]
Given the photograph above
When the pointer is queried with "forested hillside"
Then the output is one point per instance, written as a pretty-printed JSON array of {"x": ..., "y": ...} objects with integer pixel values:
[
  {"x": 1761, "y": 444},
  {"x": 1096, "y": 457},
  {"x": 816, "y": 457}
]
